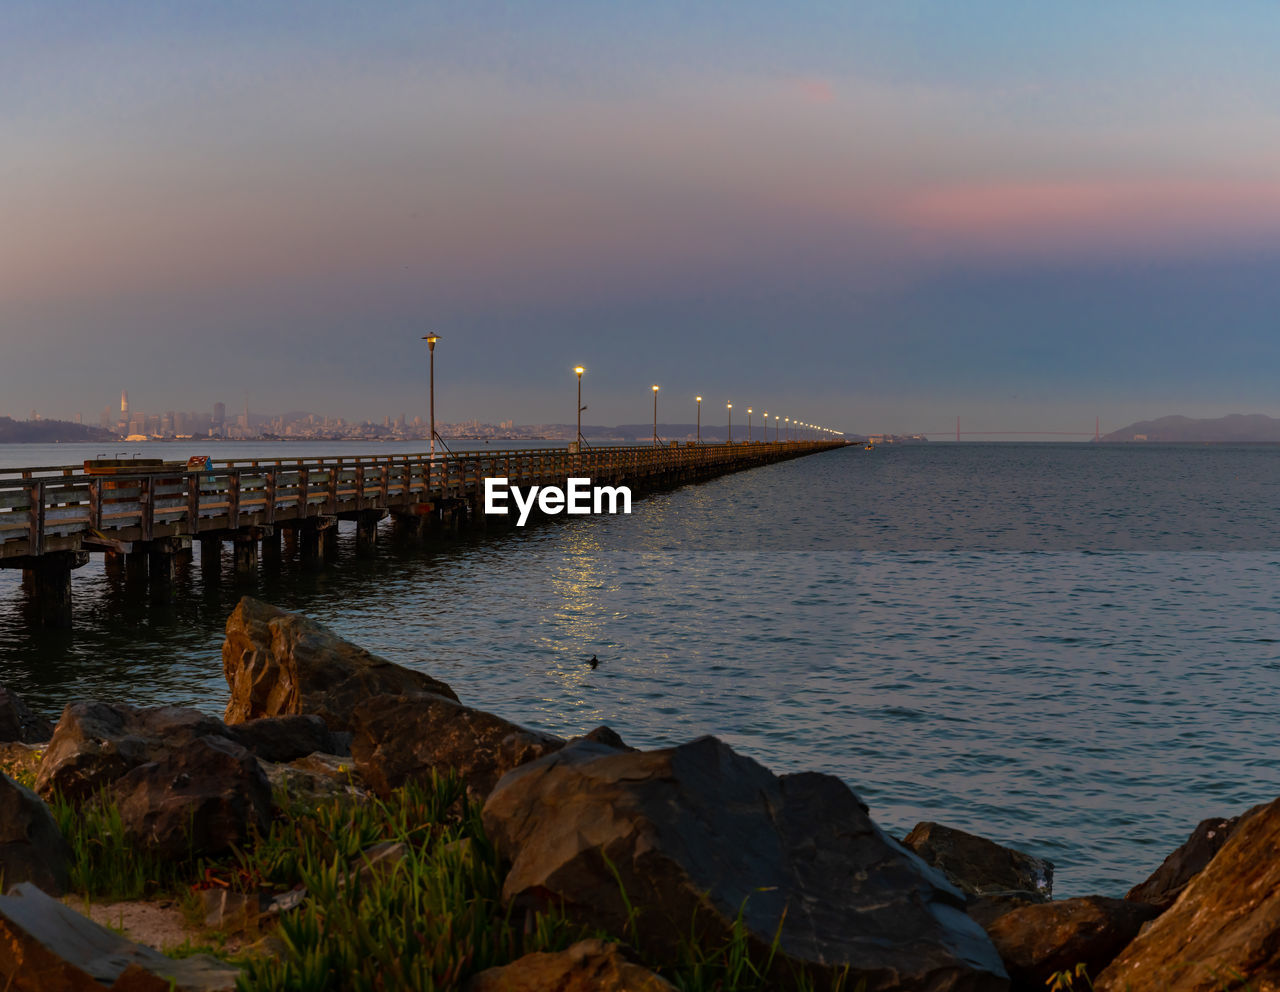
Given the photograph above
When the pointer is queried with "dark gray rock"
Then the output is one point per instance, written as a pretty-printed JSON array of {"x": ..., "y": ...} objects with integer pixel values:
[
  {"x": 694, "y": 835},
  {"x": 587, "y": 966},
  {"x": 278, "y": 663},
  {"x": 1035, "y": 941},
  {"x": 285, "y": 738},
  {"x": 606, "y": 736},
  {"x": 398, "y": 739},
  {"x": 1166, "y": 883},
  {"x": 95, "y": 743},
  {"x": 48, "y": 947},
  {"x": 198, "y": 798},
  {"x": 18, "y": 723},
  {"x": 32, "y": 849},
  {"x": 980, "y": 867}
]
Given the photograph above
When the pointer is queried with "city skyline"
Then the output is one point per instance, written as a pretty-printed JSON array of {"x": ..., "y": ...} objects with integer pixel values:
[{"x": 887, "y": 214}]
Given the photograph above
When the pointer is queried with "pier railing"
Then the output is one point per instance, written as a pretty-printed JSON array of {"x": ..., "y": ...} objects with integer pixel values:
[{"x": 63, "y": 508}]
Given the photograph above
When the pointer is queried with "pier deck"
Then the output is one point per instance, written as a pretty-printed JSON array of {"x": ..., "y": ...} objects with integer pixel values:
[{"x": 52, "y": 517}]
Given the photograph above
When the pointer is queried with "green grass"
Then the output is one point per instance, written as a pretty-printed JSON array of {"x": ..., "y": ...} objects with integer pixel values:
[{"x": 104, "y": 865}]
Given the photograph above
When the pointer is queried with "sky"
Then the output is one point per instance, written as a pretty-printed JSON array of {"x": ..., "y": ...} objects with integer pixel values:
[{"x": 872, "y": 216}]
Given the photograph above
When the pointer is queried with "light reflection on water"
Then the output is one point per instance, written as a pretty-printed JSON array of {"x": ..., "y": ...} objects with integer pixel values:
[{"x": 1086, "y": 707}]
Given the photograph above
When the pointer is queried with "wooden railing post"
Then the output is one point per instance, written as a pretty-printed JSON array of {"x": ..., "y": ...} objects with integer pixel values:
[
  {"x": 233, "y": 499},
  {"x": 146, "y": 500},
  {"x": 35, "y": 521},
  {"x": 270, "y": 515},
  {"x": 193, "y": 503}
]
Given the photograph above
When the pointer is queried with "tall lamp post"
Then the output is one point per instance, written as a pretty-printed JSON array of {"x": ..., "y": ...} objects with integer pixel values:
[
  {"x": 730, "y": 406},
  {"x": 766, "y": 427},
  {"x": 655, "y": 416},
  {"x": 699, "y": 419},
  {"x": 748, "y": 425},
  {"x": 579, "y": 370},
  {"x": 788, "y": 423},
  {"x": 431, "y": 340},
  {"x": 777, "y": 426}
]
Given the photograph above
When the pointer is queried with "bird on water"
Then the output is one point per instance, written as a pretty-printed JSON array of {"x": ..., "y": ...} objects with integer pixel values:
[{"x": 594, "y": 662}]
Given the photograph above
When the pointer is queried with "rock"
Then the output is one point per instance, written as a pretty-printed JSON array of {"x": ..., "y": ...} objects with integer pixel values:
[
  {"x": 279, "y": 663},
  {"x": 317, "y": 778},
  {"x": 607, "y": 736},
  {"x": 696, "y": 835},
  {"x": 284, "y": 738},
  {"x": 1037, "y": 940},
  {"x": 398, "y": 739},
  {"x": 48, "y": 947},
  {"x": 32, "y": 848},
  {"x": 17, "y": 723},
  {"x": 199, "y": 798},
  {"x": 985, "y": 910},
  {"x": 1225, "y": 924},
  {"x": 587, "y": 966},
  {"x": 980, "y": 867},
  {"x": 1167, "y": 882},
  {"x": 378, "y": 861},
  {"x": 95, "y": 743}
]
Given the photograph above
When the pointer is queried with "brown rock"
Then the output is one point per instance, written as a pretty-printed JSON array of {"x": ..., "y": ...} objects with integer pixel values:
[
  {"x": 980, "y": 867},
  {"x": 199, "y": 798},
  {"x": 284, "y": 738},
  {"x": 96, "y": 743},
  {"x": 1037, "y": 940},
  {"x": 279, "y": 663},
  {"x": 695, "y": 836},
  {"x": 48, "y": 947},
  {"x": 17, "y": 723},
  {"x": 398, "y": 739},
  {"x": 1225, "y": 925},
  {"x": 317, "y": 778},
  {"x": 1179, "y": 868},
  {"x": 32, "y": 848},
  {"x": 587, "y": 966}
]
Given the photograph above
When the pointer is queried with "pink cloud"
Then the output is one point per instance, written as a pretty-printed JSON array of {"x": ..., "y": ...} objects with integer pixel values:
[
  {"x": 1107, "y": 211},
  {"x": 814, "y": 90}
]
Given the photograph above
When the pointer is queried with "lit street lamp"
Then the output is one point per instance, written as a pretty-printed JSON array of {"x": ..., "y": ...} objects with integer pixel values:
[
  {"x": 777, "y": 426},
  {"x": 699, "y": 419},
  {"x": 748, "y": 425},
  {"x": 730, "y": 423},
  {"x": 655, "y": 416},
  {"x": 788, "y": 423},
  {"x": 431, "y": 340},
  {"x": 579, "y": 369}
]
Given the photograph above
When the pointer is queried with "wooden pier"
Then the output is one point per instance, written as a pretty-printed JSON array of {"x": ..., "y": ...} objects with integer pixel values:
[{"x": 52, "y": 518}]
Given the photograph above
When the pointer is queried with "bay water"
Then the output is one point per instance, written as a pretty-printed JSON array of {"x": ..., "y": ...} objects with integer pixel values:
[{"x": 1069, "y": 648}]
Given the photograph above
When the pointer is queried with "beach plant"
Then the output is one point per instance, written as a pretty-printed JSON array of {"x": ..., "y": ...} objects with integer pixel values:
[{"x": 104, "y": 863}]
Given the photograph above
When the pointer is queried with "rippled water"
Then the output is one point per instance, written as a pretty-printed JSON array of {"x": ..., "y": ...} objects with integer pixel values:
[{"x": 1067, "y": 648}]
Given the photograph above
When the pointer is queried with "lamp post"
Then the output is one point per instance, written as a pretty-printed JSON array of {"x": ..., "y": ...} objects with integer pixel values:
[
  {"x": 431, "y": 340},
  {"x": 655, "y": 416},
  {"x": 579, "y": 370},
  {"x": 788, "y": 422},
  {"x": 730, "y": 405},
  {"x": 699, "y": 419},
  {"x": 777, "y": 426},
  {"x": 766, "y": 427},
  {"x": 748, "y": 425}
]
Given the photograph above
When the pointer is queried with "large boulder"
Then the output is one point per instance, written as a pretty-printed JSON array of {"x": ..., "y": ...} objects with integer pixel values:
[
  {"x": 278, "y": 663},
  {"x": 398, "y": 739},
  {"x": 48, "y": 947},
  {"x": 17, "y": 723},
  {"x": 32, "y": 848},
  {"x": 587, "y": 966},
  {"x": 980, "y": 867},
  {"x": 667, "y": 846},
  {"x": 97, "y": 743},
  {"x": 182, "y": 784},
  {"x": 1038, "y": 940},
  {"x": 199, "y": 798},
  {"x": 1224, "y": 927},
  {"x": 1166, "y": 883}
]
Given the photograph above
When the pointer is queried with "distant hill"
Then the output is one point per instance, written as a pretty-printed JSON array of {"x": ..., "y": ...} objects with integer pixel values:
[
  {"x": 48, "y": 431},
  {"x": 1237, "y": 427}
]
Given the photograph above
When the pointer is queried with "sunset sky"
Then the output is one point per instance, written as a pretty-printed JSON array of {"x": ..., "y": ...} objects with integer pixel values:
[{"x": 873, "y": 215}]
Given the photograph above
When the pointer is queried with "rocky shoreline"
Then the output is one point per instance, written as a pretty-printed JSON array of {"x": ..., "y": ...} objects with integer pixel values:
[{"x": 644, "y": 855}]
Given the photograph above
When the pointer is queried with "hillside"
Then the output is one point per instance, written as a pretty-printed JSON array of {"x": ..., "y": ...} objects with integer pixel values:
[
  {"x": 47, "y": 431},
  {"x": 1235, "y": 428}
]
